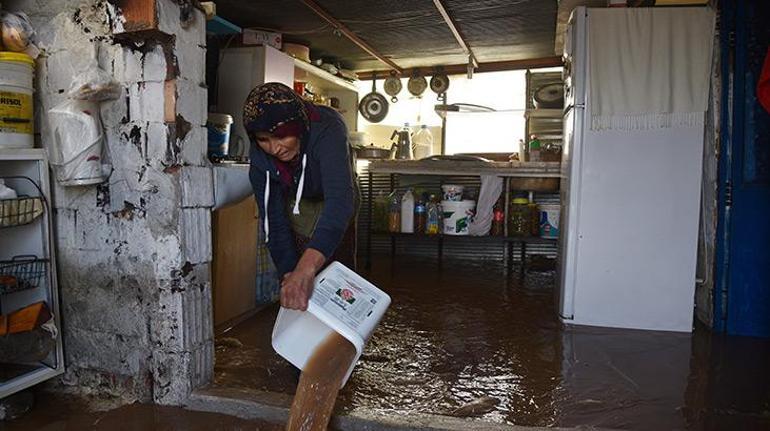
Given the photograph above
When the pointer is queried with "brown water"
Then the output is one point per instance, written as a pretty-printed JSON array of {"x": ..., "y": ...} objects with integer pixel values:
[
  {"x": 64, "y": 413},
  {"x": 320, "y": 383},
  {"x": 464, "y": 332}
]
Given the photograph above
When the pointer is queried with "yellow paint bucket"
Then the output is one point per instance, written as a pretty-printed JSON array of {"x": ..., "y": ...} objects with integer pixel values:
[{"x": 16, "y": 110}]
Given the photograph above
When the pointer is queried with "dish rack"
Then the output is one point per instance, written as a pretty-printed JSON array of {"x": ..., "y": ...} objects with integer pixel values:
[
  {"x": 23, "y": 209},
  {"x": 21, "y": 273}
]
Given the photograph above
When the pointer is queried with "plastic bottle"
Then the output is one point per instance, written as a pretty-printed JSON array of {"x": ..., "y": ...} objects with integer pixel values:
[
  {"x": 407, "y": 212},
  {"x": 423, "y": 143},
  {"x": 420, "y": 216},
  {"x": 498, "y": 220},
  {"x": 523, "y": 151},
  {"x": 394, "y": 213},
  {"x": 534, "y": 149},
  {"x": 534, "y": 216},
  {"x": 6, "y": 192},
  {"x": 433, "y": 227}
]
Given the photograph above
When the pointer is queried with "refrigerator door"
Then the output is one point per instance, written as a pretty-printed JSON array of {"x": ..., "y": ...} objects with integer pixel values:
[
  {"x": 638, "y": 228},
  {"x": 570, "y": 198}
]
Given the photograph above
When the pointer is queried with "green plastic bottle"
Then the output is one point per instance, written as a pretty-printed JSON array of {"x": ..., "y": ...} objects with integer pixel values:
[{"x": 534, "y": 149}]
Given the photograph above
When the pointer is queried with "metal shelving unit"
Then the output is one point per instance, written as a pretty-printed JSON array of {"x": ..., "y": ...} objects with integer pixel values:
[
  {"x": 547, "y": 124},
  {"x": 29, "y": 240},
  {"x": 452, "y": 169}
]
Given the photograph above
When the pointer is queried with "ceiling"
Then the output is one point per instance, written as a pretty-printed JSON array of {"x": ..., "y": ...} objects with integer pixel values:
[{"x": 411, "y": 33}]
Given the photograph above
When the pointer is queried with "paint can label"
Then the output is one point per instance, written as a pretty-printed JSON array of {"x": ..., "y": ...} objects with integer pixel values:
[{"x": 15, "y": 113}]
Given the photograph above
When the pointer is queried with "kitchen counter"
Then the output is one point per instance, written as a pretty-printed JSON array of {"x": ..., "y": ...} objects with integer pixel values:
[{"x": 464, "y": 167}]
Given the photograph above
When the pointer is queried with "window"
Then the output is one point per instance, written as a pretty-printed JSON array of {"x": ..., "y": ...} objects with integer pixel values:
[{"x": 477, "y": 132}]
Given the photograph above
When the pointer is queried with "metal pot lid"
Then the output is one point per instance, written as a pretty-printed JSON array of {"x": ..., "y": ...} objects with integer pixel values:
[
  {"x": 373, "y": 107},
  {"x": 417, "y": 85},
  {"x": 439, "y": 83},
  {"x": 393, "y": 86}
]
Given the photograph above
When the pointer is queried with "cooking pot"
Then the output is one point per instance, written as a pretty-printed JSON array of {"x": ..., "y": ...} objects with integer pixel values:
[{"x": 372, "y": 152}]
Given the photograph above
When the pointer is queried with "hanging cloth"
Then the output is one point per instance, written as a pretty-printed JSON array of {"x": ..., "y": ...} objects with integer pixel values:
[{"x": 649, "y": 67}]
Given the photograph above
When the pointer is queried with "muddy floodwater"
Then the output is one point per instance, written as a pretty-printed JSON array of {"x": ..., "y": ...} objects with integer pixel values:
[
  {"x": 63, "y": 412},
  {"x": 467, "y": 332}
]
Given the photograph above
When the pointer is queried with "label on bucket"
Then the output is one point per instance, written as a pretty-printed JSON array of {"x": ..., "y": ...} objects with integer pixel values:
[
  {"x": 15, "y": 112},
  {"x": 344, "y": 299}
]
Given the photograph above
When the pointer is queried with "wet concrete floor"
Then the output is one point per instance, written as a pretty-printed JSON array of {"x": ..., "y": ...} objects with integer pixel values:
[
  {"x": 460, "y": 332},
  {"x": 64, "y": 413}
]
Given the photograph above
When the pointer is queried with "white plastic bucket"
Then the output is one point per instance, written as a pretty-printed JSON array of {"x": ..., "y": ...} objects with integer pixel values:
[
  {"x": 342, "y": 301},
  {"x": 457, "y": 216},
  {"x": 549, "y": 220},
  {"x": 76, "y": 142},
  {"x": 16, "y": 110}
]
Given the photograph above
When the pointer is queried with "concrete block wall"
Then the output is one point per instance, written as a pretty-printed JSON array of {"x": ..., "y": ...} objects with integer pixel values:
[{"x": 134, "y": 252}]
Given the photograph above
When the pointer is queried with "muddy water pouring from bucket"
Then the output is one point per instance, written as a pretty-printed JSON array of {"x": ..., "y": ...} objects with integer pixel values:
[
  {"x": 326, "y": 341},
  {"x": 319, "y": 384}
]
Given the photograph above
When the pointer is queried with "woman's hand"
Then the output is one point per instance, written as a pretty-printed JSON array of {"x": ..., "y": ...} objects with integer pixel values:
[
  {"x": 297, "y": 286},
  {"x": 296, "y": 289}
]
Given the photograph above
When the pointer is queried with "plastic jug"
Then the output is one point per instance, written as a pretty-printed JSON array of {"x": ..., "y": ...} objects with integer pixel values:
[
  {"x": 422, "y": 141},
  {"x": 407, "y": 212},
  {"x": 342, "y": 301}
]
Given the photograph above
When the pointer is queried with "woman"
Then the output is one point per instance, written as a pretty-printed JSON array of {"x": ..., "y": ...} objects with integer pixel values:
[{"x": 302, "y": 175}]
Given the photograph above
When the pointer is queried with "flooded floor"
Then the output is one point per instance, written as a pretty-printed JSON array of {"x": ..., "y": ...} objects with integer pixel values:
[
  {"x": 62, "y": 413},
  {"x": 458, "y": 333}
]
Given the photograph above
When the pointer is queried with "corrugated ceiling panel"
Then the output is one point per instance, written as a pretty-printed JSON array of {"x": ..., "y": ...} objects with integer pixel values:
[{"x": 412, "y": 33}]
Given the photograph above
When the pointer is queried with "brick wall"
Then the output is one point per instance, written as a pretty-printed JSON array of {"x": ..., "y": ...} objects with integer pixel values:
[{"x": 134, "y": 252}]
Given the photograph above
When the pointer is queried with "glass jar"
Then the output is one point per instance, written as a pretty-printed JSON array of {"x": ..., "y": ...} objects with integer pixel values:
[{"x": 519, "y": 217}]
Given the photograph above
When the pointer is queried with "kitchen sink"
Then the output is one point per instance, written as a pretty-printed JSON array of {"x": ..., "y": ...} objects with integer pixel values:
[{"x": 231, "y": 183}]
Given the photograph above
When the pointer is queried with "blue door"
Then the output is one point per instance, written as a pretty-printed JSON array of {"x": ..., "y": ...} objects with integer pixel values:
[{"x": 742, "y": 291}]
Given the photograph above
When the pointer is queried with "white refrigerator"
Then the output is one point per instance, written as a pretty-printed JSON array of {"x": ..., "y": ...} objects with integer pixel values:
[{"x": 630, "y": 212}]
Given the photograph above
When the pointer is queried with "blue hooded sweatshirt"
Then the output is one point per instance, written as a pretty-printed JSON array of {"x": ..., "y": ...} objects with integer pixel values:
[{"x": 325, "y": 173}]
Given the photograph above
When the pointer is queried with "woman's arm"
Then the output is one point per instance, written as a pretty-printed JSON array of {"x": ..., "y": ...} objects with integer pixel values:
[{"x": 338, "y": 189}]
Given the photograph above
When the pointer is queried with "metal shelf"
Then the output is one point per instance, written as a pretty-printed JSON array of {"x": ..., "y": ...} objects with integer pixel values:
[
  {"x": 545, "y": 113},
  {"x": 321, "y": 78}
]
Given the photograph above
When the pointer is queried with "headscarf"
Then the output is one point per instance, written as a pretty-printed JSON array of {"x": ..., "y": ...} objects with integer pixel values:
[{"x": 272, "y": 106}]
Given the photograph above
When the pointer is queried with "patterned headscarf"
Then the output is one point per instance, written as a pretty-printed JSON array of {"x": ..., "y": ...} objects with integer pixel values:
[{"x": 272, "y": 105}]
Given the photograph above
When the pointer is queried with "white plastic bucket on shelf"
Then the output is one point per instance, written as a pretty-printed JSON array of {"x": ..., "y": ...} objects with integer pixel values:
[
  {"x": 76, "y": 142},
  {"x": 16, "y": 110},
  {"x": 342, "y": 301},
  {"x": 457, "y": 216},
  {"x": 549, "y": 220}
]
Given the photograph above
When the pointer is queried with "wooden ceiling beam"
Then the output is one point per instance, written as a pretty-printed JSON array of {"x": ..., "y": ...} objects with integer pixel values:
[
  {"x": 315, "y": 7},
  {"x": 461, "y": 69},
  {"x": 456, "y": 32}
]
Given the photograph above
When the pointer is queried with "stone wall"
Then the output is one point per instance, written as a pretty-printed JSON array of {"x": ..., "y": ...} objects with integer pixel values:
[{"x": 133, "y": 253}]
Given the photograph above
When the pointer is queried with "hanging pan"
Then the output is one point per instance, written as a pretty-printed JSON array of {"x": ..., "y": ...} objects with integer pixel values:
[
  {"x": 374, "y": 106},
  {"x": 393, "y": 86},
  {"x": 417, "y": 84},
  {"x": 439, "y": 83}
]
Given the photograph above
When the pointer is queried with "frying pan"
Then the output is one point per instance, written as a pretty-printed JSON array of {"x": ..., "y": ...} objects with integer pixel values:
[{"x": 373, "y": 106}]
